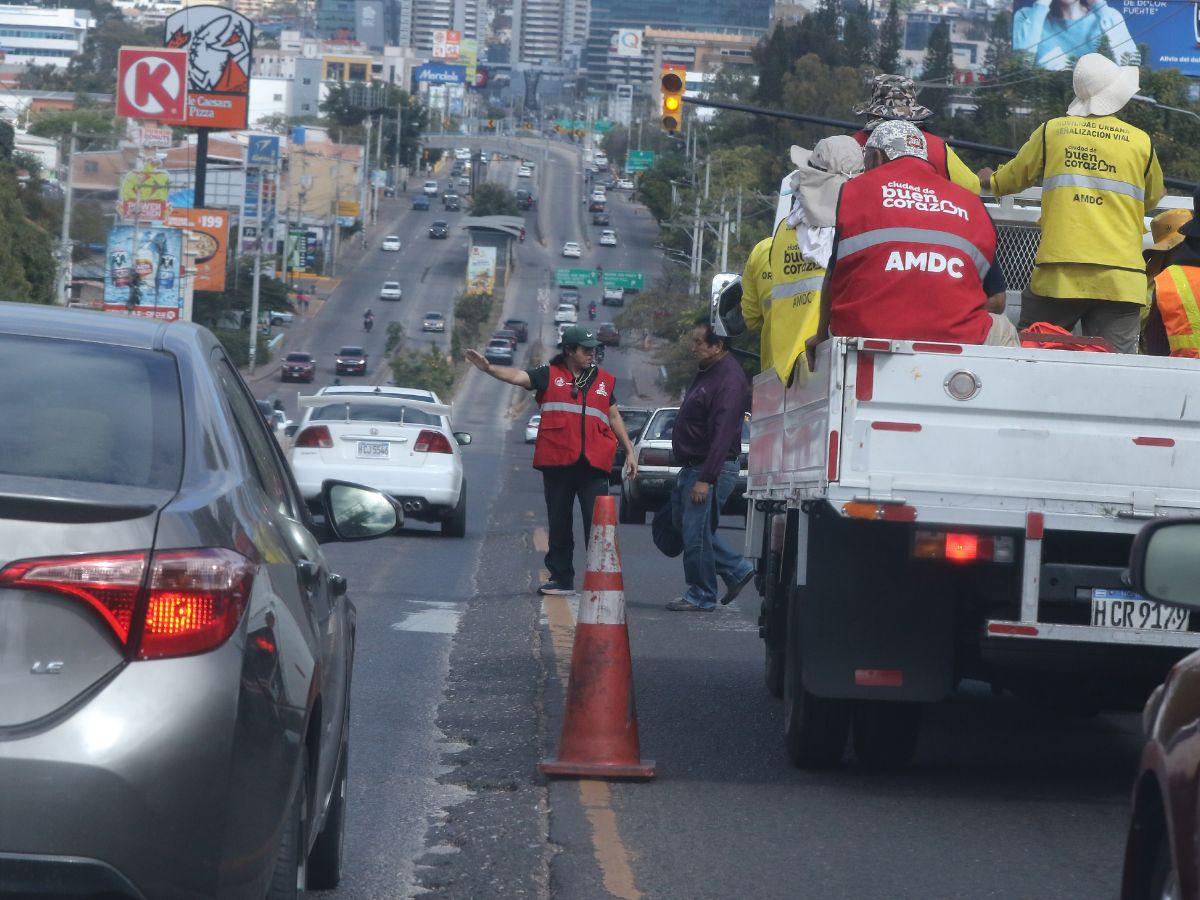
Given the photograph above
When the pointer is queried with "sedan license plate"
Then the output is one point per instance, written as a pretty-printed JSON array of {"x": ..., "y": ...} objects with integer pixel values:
[
  {"x": 1125, "y": 609},
  {"x": 372, "y": 449}
]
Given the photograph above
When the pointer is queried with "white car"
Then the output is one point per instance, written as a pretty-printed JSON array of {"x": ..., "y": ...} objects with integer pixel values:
[
  {"x": 531, "y": 428},
  {"x": 391, "y": 242},
  {"x": 524, "y": 172},
  {"x": 571, "y": 248},
  {"x": 430, "y": 189},
  {"x": 396, "y": 440},
  {"x": 608, "y": 238},
  {"x": 462, "y": 152},
  {"x": 390, "y": 291},
  {"x": 566, "y": 313},
  {"x": 625, "y": 184},
  {"x": 433, "y": 321}
]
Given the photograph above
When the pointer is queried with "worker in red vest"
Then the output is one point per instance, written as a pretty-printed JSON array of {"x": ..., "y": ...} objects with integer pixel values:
[
  {"x": 894, "y": 99},
  {"x": 576, "y": 441},
  {"x": 912, "y": 253}
]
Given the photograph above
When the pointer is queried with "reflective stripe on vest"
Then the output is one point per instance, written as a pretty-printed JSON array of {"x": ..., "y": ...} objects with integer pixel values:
[
  {"x": 874, "y": 238},
  {"x": 576, "y": 409},
  {"x": 792, "y": 289},
  {"x": 1094, "y": 183},
  {"x": 1175, "y": 290}
]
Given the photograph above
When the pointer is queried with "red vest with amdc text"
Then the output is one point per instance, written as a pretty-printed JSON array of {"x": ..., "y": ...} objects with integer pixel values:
[
  {"x": 935, "y": 148},
  {"x": 574, "y": 427},
  {"x": 912, "y": 252}
]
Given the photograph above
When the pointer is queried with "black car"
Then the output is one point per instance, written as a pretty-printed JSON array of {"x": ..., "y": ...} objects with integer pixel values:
[
  {"x": 569, "y": 295},
  {"x": 525, "y": 198},
  {"x": 451, "y": 202},
  {"x": 635, "y": 420},
  {"x": 350, "y": 361},
  {"x": 439, "y": 229},
  {"x": 519, "y": 327},
  {"x": 199, "y": 643},
  {"x": 601, "y": 218},
  {"x": 420, "y": 201}
]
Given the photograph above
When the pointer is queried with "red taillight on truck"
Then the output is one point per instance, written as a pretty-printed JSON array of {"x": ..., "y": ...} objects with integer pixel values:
[
  {"x": 430, "y": 441},
  {"x": 315, "y": 436},
  {"x": 963, "y": 546},
  {"x": 192, "y": 602}
]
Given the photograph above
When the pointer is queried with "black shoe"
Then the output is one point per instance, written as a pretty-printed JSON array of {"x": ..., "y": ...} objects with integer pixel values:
[
  {"x": 734, "y": 589},
  {"x": 553, "y": 588}
]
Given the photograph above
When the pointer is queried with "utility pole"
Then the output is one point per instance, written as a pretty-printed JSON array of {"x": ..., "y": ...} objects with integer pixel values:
[
  {"x": 364, "y": 192},
  {"x": 378, "y": 165},
  {"x": 62, "y": 293},
  {"x": 724, "y": 238},
  {"x": 707, "y": 175},
  {"x": 337, "y": 228},
  {"x": 697, "y": 226},
  {"x": 399, "y": 142},
  {"x": 737, "y": 227},
  {"x": 254, "y": 284}
]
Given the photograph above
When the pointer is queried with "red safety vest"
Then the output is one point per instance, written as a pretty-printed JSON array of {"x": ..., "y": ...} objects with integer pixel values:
[
  {"x": 912, "y": 252},
  {"x": 575, "y": 427},
  {"x": 935, "y": 148}
]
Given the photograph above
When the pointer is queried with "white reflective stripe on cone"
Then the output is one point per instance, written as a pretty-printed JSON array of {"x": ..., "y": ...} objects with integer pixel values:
[{"x": 602, "y": 608}]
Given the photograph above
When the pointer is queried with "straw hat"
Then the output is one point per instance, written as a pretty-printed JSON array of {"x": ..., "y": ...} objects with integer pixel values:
[
  {"x": 1164, "y": 228},
  {"x": 1101, "y": 86},
  {"x": 820, "y": 174}
]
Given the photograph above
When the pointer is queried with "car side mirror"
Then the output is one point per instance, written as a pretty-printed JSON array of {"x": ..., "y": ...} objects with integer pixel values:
[
  {"x": 463, "y": 438},
  {"x": 357, "y": 513},
  {"x": 1164, "y": 564}
]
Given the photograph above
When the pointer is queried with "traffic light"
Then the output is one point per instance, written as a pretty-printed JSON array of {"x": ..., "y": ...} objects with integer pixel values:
[{"x": 671, "y": 82}]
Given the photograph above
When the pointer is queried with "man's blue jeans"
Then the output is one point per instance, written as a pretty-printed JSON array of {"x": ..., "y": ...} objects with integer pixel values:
[{"x": 705, "y": 554}]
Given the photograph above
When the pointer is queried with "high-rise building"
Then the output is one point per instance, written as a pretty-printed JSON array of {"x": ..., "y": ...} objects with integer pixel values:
[
  {"x": 466, "y": 17},
  {"x": 549, "y": 31}
]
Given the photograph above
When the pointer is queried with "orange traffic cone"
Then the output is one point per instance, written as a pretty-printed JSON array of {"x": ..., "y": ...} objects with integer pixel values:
[{"x": 600, "y": 730}]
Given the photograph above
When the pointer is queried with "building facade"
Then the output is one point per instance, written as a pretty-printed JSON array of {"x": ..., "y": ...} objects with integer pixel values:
[{"x": 40, "y": 36}]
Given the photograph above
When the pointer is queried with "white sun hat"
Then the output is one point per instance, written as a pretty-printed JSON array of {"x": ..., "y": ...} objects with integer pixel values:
[{"x": 1101, "y": 86}]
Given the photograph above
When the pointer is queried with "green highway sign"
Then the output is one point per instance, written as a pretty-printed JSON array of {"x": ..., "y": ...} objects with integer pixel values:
[
  {"x": 639, "y": 160},
  {"x": 630, "y": 281},
  {"x": 576, "y": 277},
  {"x": 602, "y": 126}
]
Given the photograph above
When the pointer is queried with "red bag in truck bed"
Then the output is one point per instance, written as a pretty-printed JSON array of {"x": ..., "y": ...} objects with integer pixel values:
[{"x": 1044, "y": 336}]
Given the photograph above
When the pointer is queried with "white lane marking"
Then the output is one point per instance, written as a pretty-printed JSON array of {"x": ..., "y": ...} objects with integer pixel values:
[{"x": 438, "y": 618}]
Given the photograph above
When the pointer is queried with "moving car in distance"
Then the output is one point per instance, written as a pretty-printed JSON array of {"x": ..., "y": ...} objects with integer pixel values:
[
  {"x": 499, "y": 351},
  {"x": 433, "y": 321},
  {"x": 451, "y": 203},
  {"x": 350, "y": 360},
  {"x": 569, "y": 295},
  {"x": 298, "y": 367},
  {"x": 613, "y": 297},
  {"x": 608, "y": 238},
  {"x": 156, "y": 598},
  {"x": 572, "y": 249},
  {"x": 391, "y": 242},
  {"x": 566, "y": 313},
  {"x": 524, "y": 172},
  {"x": 421, "y": 202},
  {"x": 601, "y": 218},
  {"x": 464, "y": 181},
  {"x": 390, "y": 291},
  {"x": 531, "y": 428},
  {"x": 608, "y": 334},
  {"x": 278, "y": 317},
  {"x": 510, "y": 336},
  {"x": 439, "y": 230},
  {"x": 462, "y": 153},
  {"x": 625, "y": 184},
  {"x": 519, "y": 327},
  {"x": 430, "y": 189},
  {"x": 397, "y": 440},
  {"x": 596, "y": 205},
  {"x": 525, "y": 199}
]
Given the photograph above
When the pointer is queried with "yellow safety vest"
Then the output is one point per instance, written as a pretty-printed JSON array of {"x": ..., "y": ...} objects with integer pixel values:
[
  {"x": 1094, "y": 192},
  {"x": 1175, "y": 291},
  {"x": 793, "y": 307}
]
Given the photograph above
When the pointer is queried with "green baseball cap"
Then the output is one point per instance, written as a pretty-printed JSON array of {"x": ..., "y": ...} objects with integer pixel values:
[{"x": 580, "y": 336}]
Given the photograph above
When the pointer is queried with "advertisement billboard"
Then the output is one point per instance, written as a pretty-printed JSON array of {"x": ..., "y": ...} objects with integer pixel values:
[
  {"x": 368, "y": 23},
  {"x": 481, "y": 270},
  {"x": 205, "y": 244},
  {"x": 439, "y": 73},
  {"x": 627, "y": 42},
  {"x": 468, "y": 57},
  {"x": 220, "y": 46},
  {"x": 144, "y": 194},
  {"x": 141, "y": 271},
  {"x": 446, "y": 45},
  {"x": 1170, "y": 30}
]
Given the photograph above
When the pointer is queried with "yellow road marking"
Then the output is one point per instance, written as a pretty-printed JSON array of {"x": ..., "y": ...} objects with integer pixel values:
[
  {"x": 612, "y": 856},
  {"x": 541, "y": 539}
]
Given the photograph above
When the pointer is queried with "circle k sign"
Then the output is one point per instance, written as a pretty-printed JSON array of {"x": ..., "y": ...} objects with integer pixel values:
[{"x": 152, "y": 84}]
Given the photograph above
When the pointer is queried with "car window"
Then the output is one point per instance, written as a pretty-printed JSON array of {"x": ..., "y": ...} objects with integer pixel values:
[
  {"x": 299, "y": 357},
  {"x": 661, "y": 426},
  {"x": 89, "y": 412},
  {"x": 258, "y": 443}
]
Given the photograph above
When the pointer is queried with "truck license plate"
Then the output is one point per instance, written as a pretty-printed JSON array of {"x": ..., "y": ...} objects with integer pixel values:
[
  {"x": 1125, "y": 609},
  {"x": 372, "y": 449}
]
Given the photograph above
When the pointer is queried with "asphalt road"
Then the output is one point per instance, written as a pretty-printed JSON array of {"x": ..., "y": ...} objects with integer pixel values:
[{"x": 459, "y": 680}]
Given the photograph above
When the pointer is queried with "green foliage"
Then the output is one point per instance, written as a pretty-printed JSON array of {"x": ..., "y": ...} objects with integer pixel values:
[
  {"x": 237, "y": 346},
  {"x": 939, "y": 69},
  {"x": 395, "y": 335},
  {"x": 891, "y": 35},
  {"x": 491, "y": 199},
  {"x": 430, "y": 370},
  {"x": 97, "y": 128},
  {"x": 347, "y": 107},
  {"x": 213, "y": 309}
]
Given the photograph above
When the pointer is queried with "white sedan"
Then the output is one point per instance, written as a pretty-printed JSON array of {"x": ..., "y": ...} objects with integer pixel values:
[
  {"x": 625, "y": 184},
  {"x": 531, "y": 428},
  {"x": 394, "y": 439},
  {"x": 571, "y": 248},
  {"x": 608, "y": 238},
  {"x": 566, "y": 313},
  {"x": 390, "y": 291},
  {"x": 524, "y": 172},
  {"x": 391, "y": 242}
]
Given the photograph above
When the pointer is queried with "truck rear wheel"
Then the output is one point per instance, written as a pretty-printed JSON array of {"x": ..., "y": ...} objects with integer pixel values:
[
  {"x": 774, "y": 622},
  {"x": 814, "y": 728},
  {"x": 885, "y": 733}
]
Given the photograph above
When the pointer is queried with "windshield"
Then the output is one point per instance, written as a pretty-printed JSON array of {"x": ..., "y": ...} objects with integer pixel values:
[
  {"x": 350, "y": 351},
  {"x": 299, "y": 357},
  {"x": 361, "y": 412}
]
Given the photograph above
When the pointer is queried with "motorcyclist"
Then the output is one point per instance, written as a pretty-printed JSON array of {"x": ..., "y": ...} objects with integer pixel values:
[
  {"x": 522, "y": 235},
  {"x": 368, "y": 320},
  {"x": 592, "y": 310}
]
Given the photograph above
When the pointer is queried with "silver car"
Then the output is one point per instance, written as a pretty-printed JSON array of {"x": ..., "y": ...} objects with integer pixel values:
[{"x": 176, "y": 654}]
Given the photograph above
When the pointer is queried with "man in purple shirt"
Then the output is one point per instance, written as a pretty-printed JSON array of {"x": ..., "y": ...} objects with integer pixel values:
[{"x": 707, "y": 440}]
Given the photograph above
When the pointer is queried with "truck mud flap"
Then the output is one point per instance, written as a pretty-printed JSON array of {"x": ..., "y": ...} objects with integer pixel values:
[{"x": 872, "y": 626}]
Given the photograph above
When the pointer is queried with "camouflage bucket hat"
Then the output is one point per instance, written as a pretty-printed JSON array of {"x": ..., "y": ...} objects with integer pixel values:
[{"x": 893, "y": 97}]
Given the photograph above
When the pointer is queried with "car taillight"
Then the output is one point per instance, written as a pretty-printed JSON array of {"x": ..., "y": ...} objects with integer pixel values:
[
  {"x": 962, "y": 546},
  {"x": 429, "y": 441},
  {"x": 653, "y": 457},
  {"x": 315, "y": 436},
  {"x": 192, "y": 602}
]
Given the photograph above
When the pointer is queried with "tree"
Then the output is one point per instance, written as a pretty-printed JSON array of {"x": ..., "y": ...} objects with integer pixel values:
[
  {"x": 491, "y": 199},
  {"x": 939, "y": 69},
  {"x": 890, "y": 38}
]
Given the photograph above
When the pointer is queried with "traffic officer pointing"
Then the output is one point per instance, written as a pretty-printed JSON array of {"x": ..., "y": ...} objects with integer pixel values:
[{"x": 576, "y": 442}]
